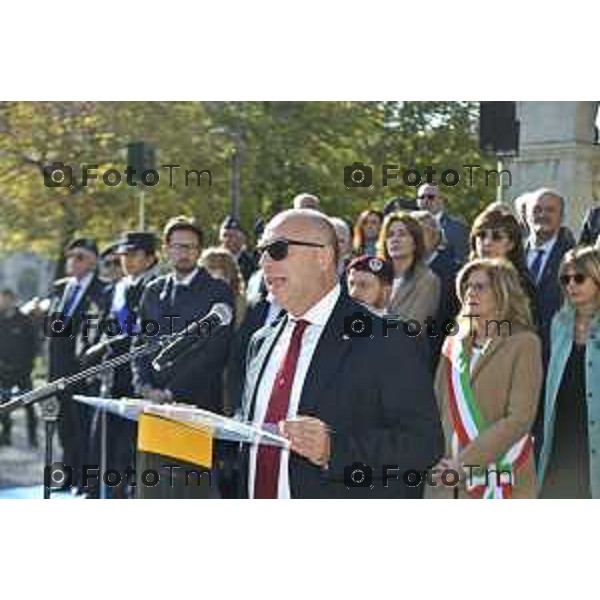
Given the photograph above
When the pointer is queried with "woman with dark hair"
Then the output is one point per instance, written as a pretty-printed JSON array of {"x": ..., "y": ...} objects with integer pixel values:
[
  {"x": 416, "y": 289},
  {"x": 366, "y": 232},
  {"x": 497, "y": 233},
  {"x": 569, "y": 465}
]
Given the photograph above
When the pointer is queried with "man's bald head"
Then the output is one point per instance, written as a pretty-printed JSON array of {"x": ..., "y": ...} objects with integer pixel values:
[
  {"x": 309, "y": 269},
  {"x": 430, "y": 198},
  {"x": 305, "y": 223}
]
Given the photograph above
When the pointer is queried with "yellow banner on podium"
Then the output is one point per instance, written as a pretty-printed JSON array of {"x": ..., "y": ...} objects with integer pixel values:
[{"x": 182, "y": 441}]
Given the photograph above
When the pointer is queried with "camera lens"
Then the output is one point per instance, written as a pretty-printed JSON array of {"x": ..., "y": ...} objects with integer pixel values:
[
  {"x": 60, "y": 178},
  {"x": 358, "y": 476},
  {"x": 61, "y": 476},
  {"x": 361, "y": 326},
  {"x": 57, "y": 326},
  {"x": 360, "y": 178}
]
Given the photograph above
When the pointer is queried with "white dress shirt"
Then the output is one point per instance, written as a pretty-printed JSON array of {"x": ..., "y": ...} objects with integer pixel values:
[
  {"x": 187, "y": 279},
  {"x": 273, "y": 312},
  {"x": 533, "y": 252},
  {"x": 317, "y": 316}
]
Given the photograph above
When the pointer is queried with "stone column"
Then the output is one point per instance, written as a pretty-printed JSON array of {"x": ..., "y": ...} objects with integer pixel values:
[{"x": 557, "y": 149}]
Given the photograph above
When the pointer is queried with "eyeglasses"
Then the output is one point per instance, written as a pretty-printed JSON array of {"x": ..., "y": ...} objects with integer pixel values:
[
  {"x": 477, "y": 287},
  {"x": 185, "y": 247},
  {"x": 578, "y": 278},
  {"x": 278, "y": 249},
  {"x": 496, "y": 235},
  {"x": 427, "y": 196}
]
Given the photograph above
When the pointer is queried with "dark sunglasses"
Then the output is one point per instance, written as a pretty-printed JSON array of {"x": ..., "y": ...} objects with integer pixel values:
[
  {"x": 578, "y": 278},
  {"x": 278, "y": 249},
  {"x": 497, "y": 235},
  {"x": 427, "y": 196},
  {"x": 77, "y": 256}
]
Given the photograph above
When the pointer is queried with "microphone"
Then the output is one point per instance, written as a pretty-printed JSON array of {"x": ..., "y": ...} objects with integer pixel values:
[
  {"x": 94, "y": 354},
  {"x": 219, "y": 316}
]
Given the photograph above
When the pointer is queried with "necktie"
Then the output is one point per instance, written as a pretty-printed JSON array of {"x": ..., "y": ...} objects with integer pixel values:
[
  {"x": 120, "y": 308},
  {"x": 178, "y": 288},
  {"x": 268, "y": 457},
  {"x": 536, "y": 265},
  {"x": 69, "y": 305}
]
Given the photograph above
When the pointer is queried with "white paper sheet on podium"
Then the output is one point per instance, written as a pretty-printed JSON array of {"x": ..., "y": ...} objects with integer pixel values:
[{"x": 224, "y": 428}]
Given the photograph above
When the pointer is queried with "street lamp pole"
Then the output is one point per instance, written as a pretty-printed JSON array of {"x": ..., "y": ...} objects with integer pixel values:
[{"x": 236, "y": 174}]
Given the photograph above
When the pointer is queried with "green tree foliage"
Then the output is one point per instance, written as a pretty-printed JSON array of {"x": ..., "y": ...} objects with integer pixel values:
[{"x": 283, "y": 148}]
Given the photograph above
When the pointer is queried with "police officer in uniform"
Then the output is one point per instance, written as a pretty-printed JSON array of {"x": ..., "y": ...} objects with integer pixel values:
[{"x": 137, "y": 251}]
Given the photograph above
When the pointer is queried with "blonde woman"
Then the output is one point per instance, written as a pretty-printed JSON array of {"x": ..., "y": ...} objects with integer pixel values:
[
  {"x": 570, "y": 457},
  {"x": 221, "y": 264},
  {"x": 487, "y": 384}
]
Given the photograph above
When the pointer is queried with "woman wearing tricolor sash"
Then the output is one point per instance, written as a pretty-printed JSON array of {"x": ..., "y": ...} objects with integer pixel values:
[{"x": 488, "y": 386}]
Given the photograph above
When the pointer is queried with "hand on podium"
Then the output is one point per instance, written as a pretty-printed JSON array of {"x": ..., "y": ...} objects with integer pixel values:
[
  {"x": 157, "y": 395},
  {"x": 309, "y": 438}
]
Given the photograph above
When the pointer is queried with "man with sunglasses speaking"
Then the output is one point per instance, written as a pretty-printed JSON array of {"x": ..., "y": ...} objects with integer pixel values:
[
  {"x": 339, "y": 399},
  {"x": 80, "y": 295},
  {"x": 456, "y": 233}
]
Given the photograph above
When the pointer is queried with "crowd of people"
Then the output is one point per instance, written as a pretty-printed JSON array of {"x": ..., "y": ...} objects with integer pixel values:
[{"x": 504, "y": 374}]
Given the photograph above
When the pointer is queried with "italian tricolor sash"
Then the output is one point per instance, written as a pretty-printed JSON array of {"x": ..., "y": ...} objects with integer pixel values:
[{"x": 468, "y": 423}]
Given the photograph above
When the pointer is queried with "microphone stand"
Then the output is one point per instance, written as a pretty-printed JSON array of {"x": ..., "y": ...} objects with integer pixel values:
[{"x": 47, "y": 394}]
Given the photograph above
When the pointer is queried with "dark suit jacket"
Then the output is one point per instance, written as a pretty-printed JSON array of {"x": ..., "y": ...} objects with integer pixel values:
[
  {"x": 247, "y": 264},
  {"x": 18, "y": 345},
  {"x": 64, "y": 353},
  {"x": 197, "y": 375},
  {"x": 446, "y": 267},
  {"x": 457, "y": 236},
  {"x": 255, "y": 318},
  {"x": 123, "y": 376},
  {"x": 376, "y": 394},
  {"x": 591, "y": 227},
  {"x": 548, "y": 292}
]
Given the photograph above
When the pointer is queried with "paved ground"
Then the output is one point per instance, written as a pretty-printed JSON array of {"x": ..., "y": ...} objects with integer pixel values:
[{"x": 21, "y": 465}]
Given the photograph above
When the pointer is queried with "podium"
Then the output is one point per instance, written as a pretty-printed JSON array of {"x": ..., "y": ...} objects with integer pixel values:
[{"x": 176, "y": 445}]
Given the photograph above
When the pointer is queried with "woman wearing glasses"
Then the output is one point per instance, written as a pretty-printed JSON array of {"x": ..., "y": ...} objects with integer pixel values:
[
  {"x": 488, "y": 386},
  {"x": 496, "y": 233},
  {"x": 570, "y": 459},
  {"x": 416, "y": 288}
]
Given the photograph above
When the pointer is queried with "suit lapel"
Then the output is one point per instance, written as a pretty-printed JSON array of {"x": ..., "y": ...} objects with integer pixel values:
[
  {"x": 258, "y": 364},
  {"x": 331, "y": 349}
]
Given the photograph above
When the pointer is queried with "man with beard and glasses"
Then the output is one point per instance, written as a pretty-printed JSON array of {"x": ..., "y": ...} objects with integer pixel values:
[{"x": 183, "y": 295}]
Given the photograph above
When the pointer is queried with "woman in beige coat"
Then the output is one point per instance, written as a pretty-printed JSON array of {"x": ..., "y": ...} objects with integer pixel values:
[
  {"x": 488, "y": 384},
  {"x": 416, "y": 288}
]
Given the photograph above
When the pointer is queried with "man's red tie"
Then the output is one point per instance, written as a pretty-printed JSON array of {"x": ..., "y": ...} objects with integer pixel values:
[{"x": 268, "y": 457}]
